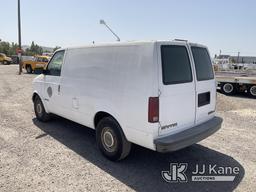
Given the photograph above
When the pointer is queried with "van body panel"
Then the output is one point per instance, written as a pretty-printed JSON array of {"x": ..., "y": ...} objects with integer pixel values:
[
  {"x": 205, "y": 88},
  {"x": 114, "y": 81},
  {"x": 119, "y": 79},
  {"x": 177, "y": 100}
]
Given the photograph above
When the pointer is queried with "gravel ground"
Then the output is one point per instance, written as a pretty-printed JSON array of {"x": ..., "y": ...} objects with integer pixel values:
[{"x": 62, "y": 155}]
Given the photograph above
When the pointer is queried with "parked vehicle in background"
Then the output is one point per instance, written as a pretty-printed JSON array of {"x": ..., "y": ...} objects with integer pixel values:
[
  {"x": 36, "y": 62},
  {"x": 160, "y": 94},
  {"x": 47, "y": 54},
  {"x": 15, "y": 59},
  {"x": 232, "y": 82},
  {"x": 4, "y": 59}
]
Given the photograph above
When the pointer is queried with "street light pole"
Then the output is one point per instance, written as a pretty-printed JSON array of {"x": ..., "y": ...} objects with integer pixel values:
[
  {"x": 104, "y": 23},
  {"x": 19, "y": 37}
]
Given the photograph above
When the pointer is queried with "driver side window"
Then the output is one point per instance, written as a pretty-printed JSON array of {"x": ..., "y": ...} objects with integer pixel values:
[{"x": 54, "y": 67}]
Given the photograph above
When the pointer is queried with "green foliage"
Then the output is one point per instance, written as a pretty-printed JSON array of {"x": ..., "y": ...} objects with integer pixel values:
[
  {"x": 34, "y": 50},
  {"x": 7, "y": 48},
  {"x": 10, "y": 49},
  {"x": 56, "y": 48}
]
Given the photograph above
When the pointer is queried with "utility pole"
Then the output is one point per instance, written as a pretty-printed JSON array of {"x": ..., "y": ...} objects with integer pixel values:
[
  {"x": 19, "y": 37},
  {"x": 238, "y": 54}
]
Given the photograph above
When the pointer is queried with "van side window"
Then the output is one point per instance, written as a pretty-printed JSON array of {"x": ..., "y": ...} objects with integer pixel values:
[
  {"x": 54, "y": 67},
  {"x": 203, "y": 64},
  {"x": 176, "y": 66}
]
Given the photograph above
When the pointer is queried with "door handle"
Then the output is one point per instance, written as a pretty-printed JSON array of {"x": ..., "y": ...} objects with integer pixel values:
[{"x": 58, "y": 88}]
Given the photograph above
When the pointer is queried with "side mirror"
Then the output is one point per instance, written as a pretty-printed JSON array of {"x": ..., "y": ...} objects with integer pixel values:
[
  {"x": 39, "y": 71},
  {"x": 44, "y": 72}
]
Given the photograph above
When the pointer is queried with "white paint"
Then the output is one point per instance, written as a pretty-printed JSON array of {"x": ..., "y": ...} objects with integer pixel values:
[{"x": 119, "y": 79}]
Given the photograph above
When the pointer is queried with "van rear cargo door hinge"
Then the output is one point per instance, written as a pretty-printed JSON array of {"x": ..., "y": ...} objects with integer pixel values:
[{"x": 159, "y": 92}]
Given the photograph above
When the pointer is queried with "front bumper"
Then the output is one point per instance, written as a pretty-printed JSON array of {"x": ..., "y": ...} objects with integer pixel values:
[{"x": 188, "y": 137}]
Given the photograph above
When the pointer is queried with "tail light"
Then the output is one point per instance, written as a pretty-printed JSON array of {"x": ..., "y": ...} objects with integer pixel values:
[{"x": 153, "y": 109}]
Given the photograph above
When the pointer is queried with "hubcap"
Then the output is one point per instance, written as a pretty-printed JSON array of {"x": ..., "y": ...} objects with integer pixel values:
[
  {"x": 228, "y": 88},
  {"x": 28, "y": 69},
  {"x": 108, "y": 139},
  {"x": 39, "y": 108},
  {"x": 253, "y": 90}
]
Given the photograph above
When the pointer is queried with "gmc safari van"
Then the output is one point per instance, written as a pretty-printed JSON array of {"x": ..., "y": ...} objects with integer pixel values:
[{"x": 160, "y": 95}]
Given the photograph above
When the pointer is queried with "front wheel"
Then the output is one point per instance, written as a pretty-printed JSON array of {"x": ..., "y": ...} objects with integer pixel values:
[
  {"x": 111, "y": 140},
  {"x": 228, "y": 88},
  {"x": 40, "y": 112},
  {"x": 28, "y": 69}
]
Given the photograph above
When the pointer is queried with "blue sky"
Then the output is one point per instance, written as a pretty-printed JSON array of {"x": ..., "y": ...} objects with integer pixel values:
[{"x": 227, "y": 25}]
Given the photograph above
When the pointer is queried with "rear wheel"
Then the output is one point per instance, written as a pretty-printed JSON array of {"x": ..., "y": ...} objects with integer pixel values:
[
  {"x": 40, "y": 112},
  {"x": 29, "y": 69},
  {"x": 228, "y": 88},
  {"x": 252, "y": 90},
  {"x": 5, "y": 62},
  {"x": 111, "y": 140}
]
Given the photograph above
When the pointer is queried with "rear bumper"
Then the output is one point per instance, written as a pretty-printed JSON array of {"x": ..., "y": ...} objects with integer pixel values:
[{"x": 188, "y": 137}]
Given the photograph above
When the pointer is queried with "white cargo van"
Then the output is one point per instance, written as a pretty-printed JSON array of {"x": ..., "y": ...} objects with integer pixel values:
[{"x": 160, "y": 95}]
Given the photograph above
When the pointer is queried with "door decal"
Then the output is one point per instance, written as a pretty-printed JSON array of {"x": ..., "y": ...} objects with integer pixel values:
[{"x": 49, "y": 91}]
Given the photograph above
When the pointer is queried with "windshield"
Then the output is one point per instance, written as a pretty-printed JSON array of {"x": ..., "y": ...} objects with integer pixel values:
[{"x": 203, "y": 63}]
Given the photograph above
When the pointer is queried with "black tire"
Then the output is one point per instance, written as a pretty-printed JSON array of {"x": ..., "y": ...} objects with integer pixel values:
[
  {"x": 6, "y": 63},
  {"x": 111, "y": 140},
  {"x": 228, "y": 88},
  {"x": 40, "y": 112},
  {"x": 28, "y": 69},
  {"x": 252, "y": 91}
]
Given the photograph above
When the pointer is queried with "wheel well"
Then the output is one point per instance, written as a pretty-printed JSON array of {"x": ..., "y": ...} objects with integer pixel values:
[
  {"x": 100, "y": 115},
  {"x": 34, "y": 96}
]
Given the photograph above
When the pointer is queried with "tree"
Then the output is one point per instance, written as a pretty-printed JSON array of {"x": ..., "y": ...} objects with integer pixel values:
[
  {"x": 34, "y": 50},
  {"x": 13, "y": 48},
  {"x": 7, "y": 48},
  {"x": 10, "y": 49},
  {"x": 4, "y": 47}
]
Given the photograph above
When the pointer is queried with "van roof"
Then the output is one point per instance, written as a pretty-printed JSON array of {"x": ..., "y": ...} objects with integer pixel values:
[{"x": 128, "y": 43}]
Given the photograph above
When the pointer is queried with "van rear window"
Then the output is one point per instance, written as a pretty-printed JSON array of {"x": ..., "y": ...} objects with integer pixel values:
[
  {"x": 203, "y": 64},
  {"x": 175, "y": 64}
]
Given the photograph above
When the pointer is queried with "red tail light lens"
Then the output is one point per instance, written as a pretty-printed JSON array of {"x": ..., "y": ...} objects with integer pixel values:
[{"x": 153, "y": 109}]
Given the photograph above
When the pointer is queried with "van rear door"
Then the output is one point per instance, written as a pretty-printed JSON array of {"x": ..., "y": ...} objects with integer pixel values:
[
  {"x": 176, "y": 88},
  {"x": 205, "y": 84}
]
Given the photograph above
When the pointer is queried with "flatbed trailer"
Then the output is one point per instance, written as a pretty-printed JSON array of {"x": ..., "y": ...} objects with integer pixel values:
[{"x": 233, "y": 82}]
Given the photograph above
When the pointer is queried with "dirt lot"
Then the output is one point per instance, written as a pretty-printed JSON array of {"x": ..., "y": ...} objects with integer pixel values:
[{"x": 62, "y": 155}]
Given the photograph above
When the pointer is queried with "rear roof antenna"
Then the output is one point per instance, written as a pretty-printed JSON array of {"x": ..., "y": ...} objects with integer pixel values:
[{"x": 102, "y": 22}]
